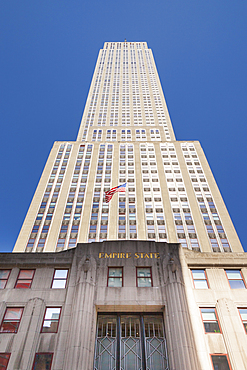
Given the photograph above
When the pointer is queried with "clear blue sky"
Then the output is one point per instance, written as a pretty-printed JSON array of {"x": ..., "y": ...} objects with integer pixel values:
[{"x": 47, "y": 57}]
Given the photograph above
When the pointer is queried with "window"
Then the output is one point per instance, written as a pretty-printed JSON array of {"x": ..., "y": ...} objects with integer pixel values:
[
  {"x": 11, "y": 320},
  {"x": 143, "y": 277},
  {"x": 141, "y": 340},
  {"x": 220, "y": 362},
  {"x": 51, "y": 320},
  {"x": 60, "y": 243},
  {"x": 60, "y": 279},
  {"x": 72, "y": 243},
  {"x": 25, "y": 279},
  {"x": 115, "y": 277},
  {"x": 235, "y": 279},
  {"x": 210, "y": 320},
  {"x": 4, "y": 275},
  {"x": 243, "y": 315},
  {"x": 200, "y": 279},
  {"x": 4, "y": 359},
  {"x": 42, "y": 361}
]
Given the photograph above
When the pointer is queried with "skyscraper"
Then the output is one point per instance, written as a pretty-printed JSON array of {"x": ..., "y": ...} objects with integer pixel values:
[
  {"x": 126, "y": 135},
  {"x": 156, "y": 279}
]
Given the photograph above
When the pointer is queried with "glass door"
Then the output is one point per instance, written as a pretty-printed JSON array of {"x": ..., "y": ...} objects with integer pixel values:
[{"x": 131, "y": 356}]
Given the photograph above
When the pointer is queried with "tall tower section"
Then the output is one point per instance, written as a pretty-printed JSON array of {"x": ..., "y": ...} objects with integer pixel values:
[{"x": 126, "y": 135}]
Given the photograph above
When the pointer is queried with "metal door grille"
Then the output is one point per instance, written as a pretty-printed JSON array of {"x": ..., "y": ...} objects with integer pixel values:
[
  {"x": 130, "y": 342},
  {"x": 155, "y": 343},
  {"x": 106, "y": 343}
]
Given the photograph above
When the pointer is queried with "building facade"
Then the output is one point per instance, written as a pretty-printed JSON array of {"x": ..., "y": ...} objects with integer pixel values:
[
  {"x": 156, "y": 278},
  {"x": 126, "y": 136}
]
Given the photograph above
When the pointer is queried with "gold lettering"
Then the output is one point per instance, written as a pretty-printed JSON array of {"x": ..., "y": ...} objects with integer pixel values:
[
  {"x": 122, "y": 255},
  {"x": 114, "y": 254},
  {"x": 108, "y": 255},
  {"x": 128, "y": 255},
  {"x": 101, "y": 255},
  {"x": 157, "y": 255},
  {"x": 141, "y": 255},
  {"x": 151, "y": 255},
  {"x": 136, "y": 255},
  {"x": 146, "y": 255}
]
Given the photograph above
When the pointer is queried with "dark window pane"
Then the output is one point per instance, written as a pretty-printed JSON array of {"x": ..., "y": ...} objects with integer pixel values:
[
  {"x": 220, "y": 362},
  {"x": 245, "y": 326},
  {"x": 9, "y": 326},
  {"x": 4, "y": 359},
  {"x": 211, "y": 327},
  {"x": 42, "y": 361},
  {"x": 50, "y": 326}
]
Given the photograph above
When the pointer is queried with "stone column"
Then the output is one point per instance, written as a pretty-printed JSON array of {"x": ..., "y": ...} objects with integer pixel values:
[
  {"x": 233, "y": 333},
  {"x": 180, "y": 339},
  {"x": 80, "y": 348},
  {"x": 26, "y": 340}
]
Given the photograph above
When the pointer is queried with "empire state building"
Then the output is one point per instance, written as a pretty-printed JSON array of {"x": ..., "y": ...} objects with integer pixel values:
[
  {"x": 150, "y": 278},
  {"x": 126, "y": 135}
]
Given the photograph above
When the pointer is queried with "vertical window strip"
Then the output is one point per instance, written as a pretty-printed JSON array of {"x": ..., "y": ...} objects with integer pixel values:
[
  {"x": 127, "y": 225},
  {"x": 153, "y": 204},
  {"x": 137, "y": 111},
  {"x": 210, "y": 215},
  {"x": 90, "y": 114},
  {"x": 98, "y": 225},
  {"x": 182, "y": 216},
  {"x": 70, "y": 225},
  {"x": 160, "y": 111},
  {"x": 43, "y": 220}
]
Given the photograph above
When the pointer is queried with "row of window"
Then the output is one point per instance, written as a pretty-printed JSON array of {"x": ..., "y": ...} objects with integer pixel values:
[
  {"x": 12, "y": 318},
  {"x": 125, "y": 135},
  {"x": 25, "y": 279},
  {"x": 211, "y": 321},
  {"x": 143, "y": 277},
  {"x": 41, "y": 361},
  {"x": 235, "y": 278},
  {"x": 115, "y": 278}
]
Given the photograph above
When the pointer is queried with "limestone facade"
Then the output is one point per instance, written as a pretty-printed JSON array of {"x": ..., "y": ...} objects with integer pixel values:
[{"x": 87, "y": 295}]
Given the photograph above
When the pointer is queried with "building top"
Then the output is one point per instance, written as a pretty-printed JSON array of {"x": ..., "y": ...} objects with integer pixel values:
[{"x": 125, "y": 44}]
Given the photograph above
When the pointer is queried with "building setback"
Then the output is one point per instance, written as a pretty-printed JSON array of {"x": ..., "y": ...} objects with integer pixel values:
[{"x": 153, "y": 280}]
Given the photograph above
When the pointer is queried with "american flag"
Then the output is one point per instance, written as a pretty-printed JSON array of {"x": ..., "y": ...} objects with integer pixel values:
[{"x": 109, "y": 194}]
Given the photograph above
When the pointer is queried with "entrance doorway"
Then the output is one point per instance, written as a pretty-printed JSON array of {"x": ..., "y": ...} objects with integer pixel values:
[{"x": 130, "y": 342}]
